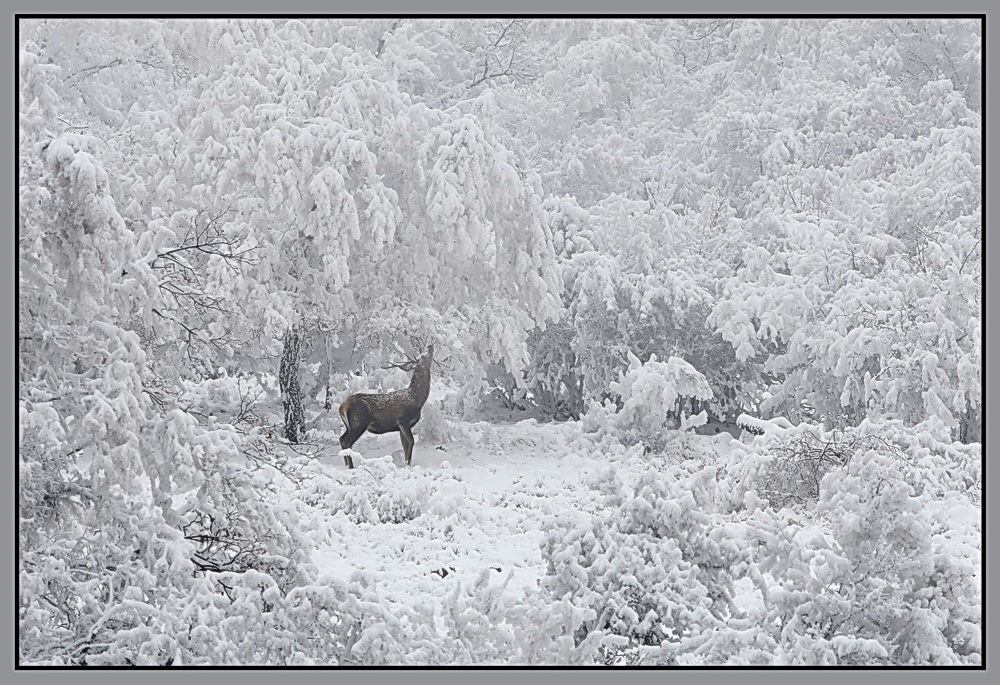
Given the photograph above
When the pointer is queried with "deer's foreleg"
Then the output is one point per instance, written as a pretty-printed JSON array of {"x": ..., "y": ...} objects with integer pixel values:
[{"x": 406, "y": 437}]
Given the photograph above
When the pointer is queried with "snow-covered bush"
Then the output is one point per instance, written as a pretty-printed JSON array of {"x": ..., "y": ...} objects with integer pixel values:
[
  {"x": 227, "y": 399},
  {"x": 484, "y": 623},
  {"x": 650, "y": 567},
  {"x": 938, "y": 465},
  {"x": 435, "y": 426},
  {"x": 626, "y": 292},
  {"x": 785, "y": 464},
  {"x": 553, "y": 377},
  {"x": 805, "y": 456},
  {"x": 681, "y": 567},
  {"x": 377, "y": 491},
  {"x": 245, "y": 618},
  {"x": 655, "y": 401},
  {"x": 877, "y": 584},
  {"x": 405, "y": 502}
]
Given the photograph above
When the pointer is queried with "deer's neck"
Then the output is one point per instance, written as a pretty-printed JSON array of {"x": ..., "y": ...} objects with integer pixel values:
[{"x": 420, "y": 385}]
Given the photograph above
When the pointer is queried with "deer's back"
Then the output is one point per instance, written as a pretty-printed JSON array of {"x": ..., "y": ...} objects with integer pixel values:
[{"x": 387, "y": 410}]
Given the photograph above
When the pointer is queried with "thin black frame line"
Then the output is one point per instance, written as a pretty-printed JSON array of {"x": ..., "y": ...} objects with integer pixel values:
[{"x": 499, "y": 15}]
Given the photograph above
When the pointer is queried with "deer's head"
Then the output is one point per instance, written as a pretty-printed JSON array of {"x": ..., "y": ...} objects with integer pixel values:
[{"x": 425, "y": 361}]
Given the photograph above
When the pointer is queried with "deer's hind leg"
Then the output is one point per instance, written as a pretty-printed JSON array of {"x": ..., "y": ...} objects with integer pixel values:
[{"x": 356, "y": 418}]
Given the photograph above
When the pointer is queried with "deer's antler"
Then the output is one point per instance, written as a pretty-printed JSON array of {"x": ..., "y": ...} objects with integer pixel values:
[{"x": 408, "y": 365}]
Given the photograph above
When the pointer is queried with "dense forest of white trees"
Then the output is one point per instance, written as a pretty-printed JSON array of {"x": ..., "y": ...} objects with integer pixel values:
[{"x": 631, "y": 231}]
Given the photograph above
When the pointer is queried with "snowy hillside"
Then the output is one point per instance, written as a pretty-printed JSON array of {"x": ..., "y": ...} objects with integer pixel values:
[{"x": 680, "y": 318}]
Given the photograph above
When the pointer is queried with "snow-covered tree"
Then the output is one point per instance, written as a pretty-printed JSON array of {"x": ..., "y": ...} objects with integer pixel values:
[
  {"x": 362, "y": 206},
  {"x": 881, "y": 248}
]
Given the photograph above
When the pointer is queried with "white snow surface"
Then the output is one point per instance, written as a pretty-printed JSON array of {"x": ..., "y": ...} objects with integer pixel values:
[
  {"x": 494, "y": 489},
  {"x": 484, "y": 498},
  {"x": 481, "y": 500}
]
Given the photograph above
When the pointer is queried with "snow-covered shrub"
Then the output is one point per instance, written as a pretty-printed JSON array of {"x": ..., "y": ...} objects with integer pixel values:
[
  {"x": 930, "y": 580},
  {"x": 377, "y": 491},
  {"x": 756, "y": 426},
  {"x": 883, "y": 574},
  {"x": 553, "y": 377},
  {"x": 939, "y": 466},
  {"x": 650, "y": 567},
  {"x": 877, "y": 584},
  {"x": 356, "y": 499},
  {"x": 504, "y": 394},
  {"x": 343, "y": 624},
  {"x": 805, "y": 456},
  {"x": 654, "y": 401},
  {"x": 229, "y": 399},
  {"x": 253, "y": 621},
  {"x": 50, "y": 487},
  {"x": 484, "y": 623},
  {"x": 435, "y": 427},
  {"x": 785, "y": 464},
  {"x": 767, "y": 470},
  {"x": 886, "y": 573},
  {"x": 405, "y": 502},
  {"x": 627, "y": 292}
]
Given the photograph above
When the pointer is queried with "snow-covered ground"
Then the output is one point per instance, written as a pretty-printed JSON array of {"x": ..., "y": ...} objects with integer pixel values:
[
  {"x": 480, "y": 500},
  {"x": 483, "y": 500},
  {"x": 493, "y": 489}
]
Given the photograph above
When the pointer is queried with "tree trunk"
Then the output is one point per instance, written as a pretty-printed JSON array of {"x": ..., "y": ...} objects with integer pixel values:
[
  {"x": 326, "y": 369},
  {"x": 291, "y": 393},
  {"x": 970, "y": 426}
]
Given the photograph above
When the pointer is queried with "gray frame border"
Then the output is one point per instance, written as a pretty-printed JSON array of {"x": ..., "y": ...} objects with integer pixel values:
[{"x": 527, "y": 7}]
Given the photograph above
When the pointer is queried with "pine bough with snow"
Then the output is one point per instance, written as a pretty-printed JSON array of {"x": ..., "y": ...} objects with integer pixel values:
[{"x": 705, "y": 299}]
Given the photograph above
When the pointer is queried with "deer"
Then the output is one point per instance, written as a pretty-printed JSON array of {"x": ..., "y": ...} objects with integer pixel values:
[{"x": 388, "y": 412}]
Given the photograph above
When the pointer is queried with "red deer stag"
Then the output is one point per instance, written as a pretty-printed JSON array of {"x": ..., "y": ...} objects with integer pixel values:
[{"x": 388, "y": 412}]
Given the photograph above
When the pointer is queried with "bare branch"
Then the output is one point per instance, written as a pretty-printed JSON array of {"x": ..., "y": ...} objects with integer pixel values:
[
  {"x": 974, "y": 248},
  {"x": 90, "y": 71}
]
